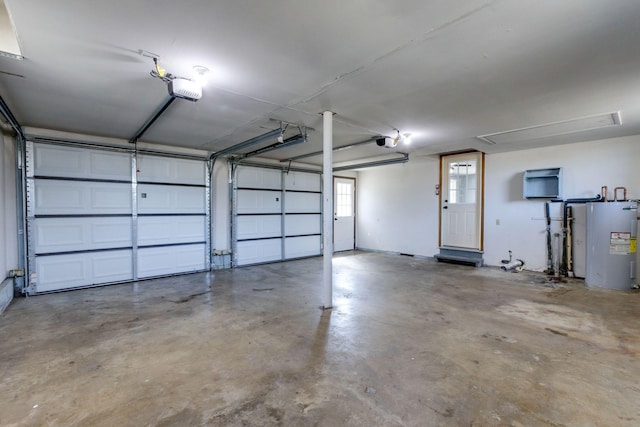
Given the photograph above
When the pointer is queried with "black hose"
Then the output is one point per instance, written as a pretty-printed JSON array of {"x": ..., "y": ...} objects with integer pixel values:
[{"x": 598, "y": 198}]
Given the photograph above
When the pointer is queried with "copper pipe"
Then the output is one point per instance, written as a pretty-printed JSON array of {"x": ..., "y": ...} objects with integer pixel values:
[
  {"x": 624, "y": 194},
  {"x": 603, "y": 191}
]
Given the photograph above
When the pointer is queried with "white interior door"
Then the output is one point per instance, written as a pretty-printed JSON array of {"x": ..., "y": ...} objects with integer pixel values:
[
  {"x": 461, "y": 201},
  {"x": 344, "y": 226}
]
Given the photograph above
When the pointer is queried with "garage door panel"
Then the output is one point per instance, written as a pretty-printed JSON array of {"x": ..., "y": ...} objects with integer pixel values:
[
  {"x": 302, "y": 202},
  {"x": 55, "y": 197},
  {"x": 110, "y": 165},
  {"x": 257, "y": 251},
  {"x": 302, "y": 224},
  {"x": 249, "y": 177},
  {"x": 259, "y": 202},
  {"x": 111, "y": 266},
  {"x": 164, "y": 199},
  {"x": 296, "y": 247},
  {"x": 191, "y": 198},
  {"x": 56, "y": 272},
  {"x": 68, "y": 269},
  {"x": 71, "y": 162},
  {"x": 80, "y": 234},
  {"x": 114, "y": 232},
  {"x": 170, "y": 260},
  {"x": 161, "y": 230},
  {"x": 170, "y": 170},
  {"x": 259, "y": 226},
  {"x": 108, "y": 196},
  {"x": 302, "y": 181}
]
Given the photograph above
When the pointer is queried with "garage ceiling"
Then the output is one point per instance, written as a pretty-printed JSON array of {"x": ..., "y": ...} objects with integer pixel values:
[{"x": 444, "y": 71}]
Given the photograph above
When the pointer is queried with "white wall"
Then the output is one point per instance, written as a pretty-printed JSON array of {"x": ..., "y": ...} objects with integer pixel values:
[
  {"x": 398, "y": 211},
  {"x": 8, "y": 221},
  {"x": 586, "y": 168}
]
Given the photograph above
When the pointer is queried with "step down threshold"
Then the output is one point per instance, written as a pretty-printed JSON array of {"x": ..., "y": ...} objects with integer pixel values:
[{"x": 460, "y": 256}]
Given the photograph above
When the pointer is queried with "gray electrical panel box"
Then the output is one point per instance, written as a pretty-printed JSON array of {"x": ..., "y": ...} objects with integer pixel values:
[
  {"x": 612, "y": 230},
  {"x": 542, "y": 183}
]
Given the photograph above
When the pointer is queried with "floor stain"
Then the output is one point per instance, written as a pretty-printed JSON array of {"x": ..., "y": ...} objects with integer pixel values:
[
  {"x": 553, "y": 331},
  {"x": 190, "y": 297}
]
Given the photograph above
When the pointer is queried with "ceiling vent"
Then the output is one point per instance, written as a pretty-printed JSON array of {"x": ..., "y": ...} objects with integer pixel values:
[
  {"x": 185, "y": 89},
  {"x": 554, "y": 129}
]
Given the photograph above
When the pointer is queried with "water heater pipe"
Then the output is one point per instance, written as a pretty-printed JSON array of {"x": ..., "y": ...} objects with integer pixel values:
[{"x": 624, "y": 194}]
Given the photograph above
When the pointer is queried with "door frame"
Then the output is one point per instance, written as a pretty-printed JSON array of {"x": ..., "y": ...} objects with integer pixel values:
[
  {"x": 482, "y": 190},
  {"x": 355, "y": 207}
]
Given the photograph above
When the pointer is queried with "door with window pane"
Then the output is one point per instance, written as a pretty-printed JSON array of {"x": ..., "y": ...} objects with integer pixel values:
[
  {"x": 461, "y": 204},
  {"x": 344, "y": 224}
]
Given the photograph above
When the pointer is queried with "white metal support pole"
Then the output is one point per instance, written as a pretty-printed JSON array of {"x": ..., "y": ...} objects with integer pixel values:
[{"x": 327, "y": 207}]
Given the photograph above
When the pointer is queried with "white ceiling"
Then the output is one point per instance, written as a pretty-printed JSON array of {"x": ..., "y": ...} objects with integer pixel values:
[{"x": 446, "y": 71}]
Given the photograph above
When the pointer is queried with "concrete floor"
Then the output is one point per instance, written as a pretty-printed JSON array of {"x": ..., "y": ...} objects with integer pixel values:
[{"x": 410, "y": 342}]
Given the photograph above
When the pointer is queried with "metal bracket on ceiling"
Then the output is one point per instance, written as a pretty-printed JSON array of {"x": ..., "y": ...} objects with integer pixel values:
[
  {"x": 285, "y": 123},
  {"x": 246, "y": 144},
  {"x": 156, "y": 114},
  {"x": 294, "y": 140},
  {"x": 283, "y": 126},
  {"x": 403, "y": 159},
  {"x": 344, "y": 147}
]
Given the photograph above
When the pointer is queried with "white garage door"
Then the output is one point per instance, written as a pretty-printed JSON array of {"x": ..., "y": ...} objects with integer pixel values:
[
  {"x": 172, "y": 216},
  {"x": 86, "y": 226},
  {"x": 277, "y": 215},
  {"x": 302, "y": 214}
]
